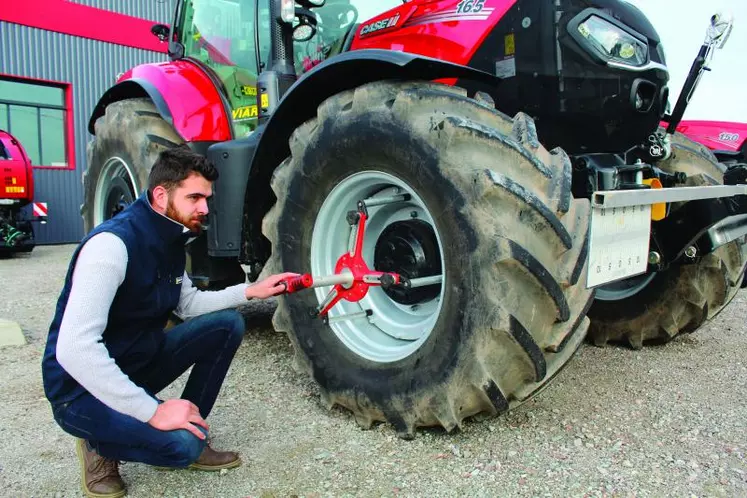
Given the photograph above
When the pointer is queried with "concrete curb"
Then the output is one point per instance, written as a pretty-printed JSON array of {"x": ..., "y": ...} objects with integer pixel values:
[{"x": 11, "y": 334}]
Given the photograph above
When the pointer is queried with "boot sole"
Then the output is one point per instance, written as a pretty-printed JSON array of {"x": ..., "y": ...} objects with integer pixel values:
[
  {"x": 209, "y": 468},
  {"x": 89, "y": 493},
  {"x": 204, "y": 468}
]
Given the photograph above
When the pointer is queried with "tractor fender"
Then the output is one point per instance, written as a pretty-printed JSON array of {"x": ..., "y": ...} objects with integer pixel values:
[
  {"x": 338, "y": 74},
  {"x": 184, "y": 95}
]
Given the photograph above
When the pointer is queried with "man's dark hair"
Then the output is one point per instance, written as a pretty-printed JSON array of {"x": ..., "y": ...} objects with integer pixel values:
[{"x": 174, "y": 165}]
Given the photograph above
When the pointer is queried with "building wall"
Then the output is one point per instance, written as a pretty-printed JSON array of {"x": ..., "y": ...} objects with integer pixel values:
[
  {"x": 154, "y": 10},
  {"x": 91, "y": 67}
]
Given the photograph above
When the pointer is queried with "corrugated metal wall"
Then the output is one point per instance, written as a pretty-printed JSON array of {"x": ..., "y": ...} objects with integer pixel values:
[
  {"x": 91, "y": 67},
  {"x": 153, "y": 10}
]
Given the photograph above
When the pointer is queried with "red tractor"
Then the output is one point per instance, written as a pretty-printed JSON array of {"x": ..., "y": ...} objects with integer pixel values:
[
  {"x": 727, "y": 140},
  {"x": 17, "y": 192},
  {"x": 457, "y": 180}
]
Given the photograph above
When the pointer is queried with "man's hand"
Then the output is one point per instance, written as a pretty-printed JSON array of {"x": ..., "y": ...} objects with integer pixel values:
[
  {"x": 178, "y": 414},
  {"x": 268, "y": 287}
]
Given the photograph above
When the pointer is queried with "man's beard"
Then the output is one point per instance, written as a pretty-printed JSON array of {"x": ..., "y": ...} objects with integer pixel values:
[{"x": 194, "y": 224}]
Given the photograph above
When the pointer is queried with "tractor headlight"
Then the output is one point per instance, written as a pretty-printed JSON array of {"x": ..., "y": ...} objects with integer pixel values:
[{"x": 611, "y": 42}]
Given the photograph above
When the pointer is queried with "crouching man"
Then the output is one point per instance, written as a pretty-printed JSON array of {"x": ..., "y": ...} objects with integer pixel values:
[{"x": 107, "y": 354}]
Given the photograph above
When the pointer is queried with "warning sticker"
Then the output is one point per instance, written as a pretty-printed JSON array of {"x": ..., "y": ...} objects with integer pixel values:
[
  {"x": 250, "y": 91},
  {"x": 40, "y": 209},
  {"x": 509, "y": 42}
]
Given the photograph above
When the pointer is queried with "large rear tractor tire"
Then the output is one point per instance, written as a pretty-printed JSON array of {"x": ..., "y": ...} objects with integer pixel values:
[
  {"x": 128, "y": 139},
  {"x": 656, "y": 308},
  {"x": 489, "y": 209}
]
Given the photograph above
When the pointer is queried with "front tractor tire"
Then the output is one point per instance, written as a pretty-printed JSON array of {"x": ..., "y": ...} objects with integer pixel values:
[
  {"x": 489, "y": 209},
  {"x": 656, "y": 308},
  {"x": 129, "y": 137}
]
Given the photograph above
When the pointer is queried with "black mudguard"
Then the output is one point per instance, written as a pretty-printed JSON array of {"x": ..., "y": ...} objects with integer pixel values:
[
  {"x": 128, "y": 89},
  {"x": 340, "y": 73}
]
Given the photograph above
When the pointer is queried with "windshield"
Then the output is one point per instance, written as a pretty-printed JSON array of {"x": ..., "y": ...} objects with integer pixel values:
[
  {"x": 368, "y": 9},
  {"x": 221, "y": 34}
]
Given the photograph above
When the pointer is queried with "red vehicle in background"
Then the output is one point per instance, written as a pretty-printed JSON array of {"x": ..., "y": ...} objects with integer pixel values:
[
  {"x": 727, "y": 140},
  {"x": 16, "y": 192}
]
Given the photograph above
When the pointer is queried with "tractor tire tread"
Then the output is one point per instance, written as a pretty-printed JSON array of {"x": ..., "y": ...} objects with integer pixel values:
[
  {"x": 133, "y": 130},
  {"x": 531, "y": 238}
]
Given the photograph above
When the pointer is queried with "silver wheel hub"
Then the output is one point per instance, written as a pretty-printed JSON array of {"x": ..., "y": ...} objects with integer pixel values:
[
  {"x": 381, "y": 327},
  {"x": 115, "y": 190}
]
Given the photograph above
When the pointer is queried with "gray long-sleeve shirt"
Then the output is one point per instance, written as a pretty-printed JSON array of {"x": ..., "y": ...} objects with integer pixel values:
[{"x": 99, "y": 271}]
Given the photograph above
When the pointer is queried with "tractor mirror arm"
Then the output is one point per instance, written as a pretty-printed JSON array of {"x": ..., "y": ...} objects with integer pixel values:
[{"x": 719, "y": 30}]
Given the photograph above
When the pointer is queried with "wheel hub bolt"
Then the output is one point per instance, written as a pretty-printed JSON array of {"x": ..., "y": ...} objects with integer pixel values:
[{"x": 353, "y": 217}]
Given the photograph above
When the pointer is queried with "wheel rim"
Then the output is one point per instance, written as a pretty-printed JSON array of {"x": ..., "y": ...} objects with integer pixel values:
[
  {"x": 115, "y": 190},
  {"x": 624, "y": 289},
  {"x": 398, "y": 324}
]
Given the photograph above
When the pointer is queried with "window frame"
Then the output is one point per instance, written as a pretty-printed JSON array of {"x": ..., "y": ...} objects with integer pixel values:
[{"x": 67, "y": 109}]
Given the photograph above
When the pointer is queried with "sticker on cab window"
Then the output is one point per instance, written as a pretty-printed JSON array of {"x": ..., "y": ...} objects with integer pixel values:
[{"x": 244, "y": 113}]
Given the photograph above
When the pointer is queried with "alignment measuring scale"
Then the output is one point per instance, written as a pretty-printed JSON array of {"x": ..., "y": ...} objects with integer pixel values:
[{"x": 618, "y": 243}]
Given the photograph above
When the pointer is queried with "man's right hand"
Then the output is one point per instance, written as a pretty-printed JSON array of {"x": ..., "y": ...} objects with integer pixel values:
[
  {"x": 271, "y": 286},
  {"x": 178, "y": 414}
]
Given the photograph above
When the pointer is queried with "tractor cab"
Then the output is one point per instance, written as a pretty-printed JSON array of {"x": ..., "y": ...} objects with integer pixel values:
[{"x": 232, "y": 40}]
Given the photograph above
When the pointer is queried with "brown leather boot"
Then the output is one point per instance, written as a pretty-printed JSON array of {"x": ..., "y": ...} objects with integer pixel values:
[
  {"x": 212, "y": 460},
  {"x": 100, "y": 476}
]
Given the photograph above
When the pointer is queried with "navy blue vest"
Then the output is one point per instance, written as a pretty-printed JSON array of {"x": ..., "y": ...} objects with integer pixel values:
[{"x": 142, "y": 304}]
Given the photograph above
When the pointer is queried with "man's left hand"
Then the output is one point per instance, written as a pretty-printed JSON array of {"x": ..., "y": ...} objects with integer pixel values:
[{"x": 271, "y": 286}]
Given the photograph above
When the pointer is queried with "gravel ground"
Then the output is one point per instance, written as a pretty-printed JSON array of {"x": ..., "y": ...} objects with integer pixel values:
[{"x": 665, "y": 421}]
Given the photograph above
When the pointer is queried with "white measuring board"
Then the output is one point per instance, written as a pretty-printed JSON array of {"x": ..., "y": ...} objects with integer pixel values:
[{"x": 618, "y": 243}]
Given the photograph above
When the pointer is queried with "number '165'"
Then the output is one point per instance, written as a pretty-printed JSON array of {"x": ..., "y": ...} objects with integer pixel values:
[{"x": 470, "y": 6}]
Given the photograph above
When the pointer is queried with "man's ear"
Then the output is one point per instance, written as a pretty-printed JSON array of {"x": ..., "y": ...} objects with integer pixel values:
[{"x": 160, "y": 199}]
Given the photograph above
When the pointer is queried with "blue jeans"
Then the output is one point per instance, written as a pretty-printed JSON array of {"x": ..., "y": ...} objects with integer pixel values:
[{"x": 208, "y": 342}]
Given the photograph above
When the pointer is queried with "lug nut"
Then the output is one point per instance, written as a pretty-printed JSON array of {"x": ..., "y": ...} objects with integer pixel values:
[
  {"x": 691, "y": 252},
  {"x": 387, "y": 281},
  {"x": 353, "y": 217},
  {"x": 654, "y": 258}
]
